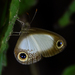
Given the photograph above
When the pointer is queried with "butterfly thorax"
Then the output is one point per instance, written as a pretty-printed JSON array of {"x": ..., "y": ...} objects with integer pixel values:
[{"x": 25, "y": 27}]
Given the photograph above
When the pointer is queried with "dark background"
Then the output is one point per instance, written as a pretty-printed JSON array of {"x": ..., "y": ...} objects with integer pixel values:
[{"x": 49, "y": 11}]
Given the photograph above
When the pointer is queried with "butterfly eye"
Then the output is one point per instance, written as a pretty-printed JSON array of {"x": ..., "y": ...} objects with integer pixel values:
[
  {"x": 59, "y": 44},
  {"x": 22, "y": 56}
]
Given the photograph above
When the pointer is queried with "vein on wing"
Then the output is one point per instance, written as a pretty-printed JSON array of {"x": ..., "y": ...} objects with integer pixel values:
[{"x": 36, "y": 43}]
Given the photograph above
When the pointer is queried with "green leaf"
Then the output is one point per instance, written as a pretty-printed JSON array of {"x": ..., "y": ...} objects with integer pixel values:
[
  {"x": 69, "y": 71},
  {"x": 72, "y": 6},
  {"x": 26, "y": 5},
  {"x": 1, "y": 62},
  {"x": 7, "y": 29},
  {"x": 3, "y": 16},
  {"x": 65, "y": 19}
]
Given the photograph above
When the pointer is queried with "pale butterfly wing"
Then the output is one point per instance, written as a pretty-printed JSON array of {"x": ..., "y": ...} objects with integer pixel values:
[
  {"x": 43, "y": 42},
  {"x": 37, "y": 42}
]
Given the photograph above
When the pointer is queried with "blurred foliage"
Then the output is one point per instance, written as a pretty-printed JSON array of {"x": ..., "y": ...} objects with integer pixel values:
[
  {"x": 65, "y": 19},
  {"x": 8, "y": 15},
  {"x": 26, "y": 5},
  {"x": 69, "y": 71}
]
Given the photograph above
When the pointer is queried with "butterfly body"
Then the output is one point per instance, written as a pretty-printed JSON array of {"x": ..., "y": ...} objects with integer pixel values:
[{"x": 35, "y": 43}]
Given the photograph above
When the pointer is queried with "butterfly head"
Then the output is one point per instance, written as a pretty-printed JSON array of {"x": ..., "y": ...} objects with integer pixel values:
[{"x": 25, "y": 27}]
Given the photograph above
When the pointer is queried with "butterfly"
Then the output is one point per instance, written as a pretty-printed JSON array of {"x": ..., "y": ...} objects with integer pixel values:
[{"x": 35, "y": 43}]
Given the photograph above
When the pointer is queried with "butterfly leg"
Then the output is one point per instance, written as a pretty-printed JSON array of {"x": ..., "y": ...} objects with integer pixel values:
[{"x": 15, "y": 34}]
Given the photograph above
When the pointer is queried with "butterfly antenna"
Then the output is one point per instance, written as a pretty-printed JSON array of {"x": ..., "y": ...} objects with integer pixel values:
[
  {"x": 28, "y": 15},
  {"x": 33, "y": 16}
]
